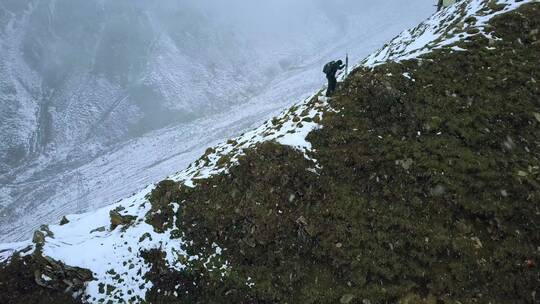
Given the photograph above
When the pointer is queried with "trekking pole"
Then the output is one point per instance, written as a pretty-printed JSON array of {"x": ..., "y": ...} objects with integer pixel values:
[{"x": 346, "y": 64}]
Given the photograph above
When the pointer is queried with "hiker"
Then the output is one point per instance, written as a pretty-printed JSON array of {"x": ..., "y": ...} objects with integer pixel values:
[
  {"x": 444, "y": 3},
  {"x": 331, "y": 69},
  {"x": 439, "y": 5}
]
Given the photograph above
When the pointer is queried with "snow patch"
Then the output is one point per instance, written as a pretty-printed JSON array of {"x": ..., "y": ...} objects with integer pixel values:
[
  {"x": 408, "y": 76},
  {"x": 290, "y": 128}
]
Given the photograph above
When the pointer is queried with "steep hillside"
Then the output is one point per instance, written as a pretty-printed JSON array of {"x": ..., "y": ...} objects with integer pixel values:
[
  {"x": 93, "y": 91},
  {"x": 419, "y": 182}
]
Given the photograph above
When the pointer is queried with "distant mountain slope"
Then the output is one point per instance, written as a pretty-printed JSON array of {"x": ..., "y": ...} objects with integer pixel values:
[
  {"x": 416, "y": 183},
  {"x": 91, "y": 92}
]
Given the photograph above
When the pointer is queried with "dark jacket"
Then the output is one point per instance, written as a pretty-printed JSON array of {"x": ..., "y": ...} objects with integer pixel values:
[{"x": 334, "y": 69}]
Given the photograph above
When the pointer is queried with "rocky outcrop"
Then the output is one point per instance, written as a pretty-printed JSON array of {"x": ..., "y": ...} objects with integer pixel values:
[
  {"x": 57, "y": 276},
  {"x": 63, "y": 283},
  {"x": 117, "y": 219}
]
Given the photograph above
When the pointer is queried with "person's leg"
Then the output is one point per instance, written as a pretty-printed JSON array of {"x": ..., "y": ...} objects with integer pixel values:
[
  {"x": 331, "y": 86},
  {"x": 328, "y": 86}
]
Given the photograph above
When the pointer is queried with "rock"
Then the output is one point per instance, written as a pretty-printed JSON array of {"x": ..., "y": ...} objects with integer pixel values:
[
  {"x": 120, "y": 220},
  {"x": 470, "y": 19},
  {"x": 438, "y": 190},
  {"x": 100, "y": 229},
  {"x": 55, "y": 275},
  {"x": 477, "y": 243},
  {"x": 144, "y": 237},
  {"x": 48, "y": 232},
  {"x": 509, "y": 143},
  {"x": 64, "y": 221},
  {"x": 537, "y": 116},
  {"x": 41, "y": 234},
  {"x": 304, "y": 230},
  {"x": 346, "y": 298},
  {"x": 405, "y": 163},
  {"x": 301, "y": 221},
  {"x": 522, "y": 173},
  {"x": 291, "y": 198},
  {"x": 38, "y": 238}
]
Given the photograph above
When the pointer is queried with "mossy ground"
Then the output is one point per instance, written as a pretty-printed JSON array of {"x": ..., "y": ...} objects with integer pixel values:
[{"x": 429, "y": 190}]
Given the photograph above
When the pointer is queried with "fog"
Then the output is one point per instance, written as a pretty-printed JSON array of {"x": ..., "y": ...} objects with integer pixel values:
[
  {"x": 81, "y": 80},
  {"x": 150, "y": 63}
]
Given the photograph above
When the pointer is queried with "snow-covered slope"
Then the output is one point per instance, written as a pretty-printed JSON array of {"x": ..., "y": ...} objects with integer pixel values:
[
  {"x": 456, "y": 23},
  {"x": 89, "y": 115},
  {"x": 116, "y": 250}
]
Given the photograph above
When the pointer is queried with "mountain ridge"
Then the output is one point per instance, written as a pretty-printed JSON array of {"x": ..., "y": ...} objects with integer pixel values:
[{"x": 393, "y": 191}]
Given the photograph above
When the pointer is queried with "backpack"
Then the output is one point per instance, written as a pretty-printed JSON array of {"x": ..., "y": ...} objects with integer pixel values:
[{"x": 328, "y": 67}]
